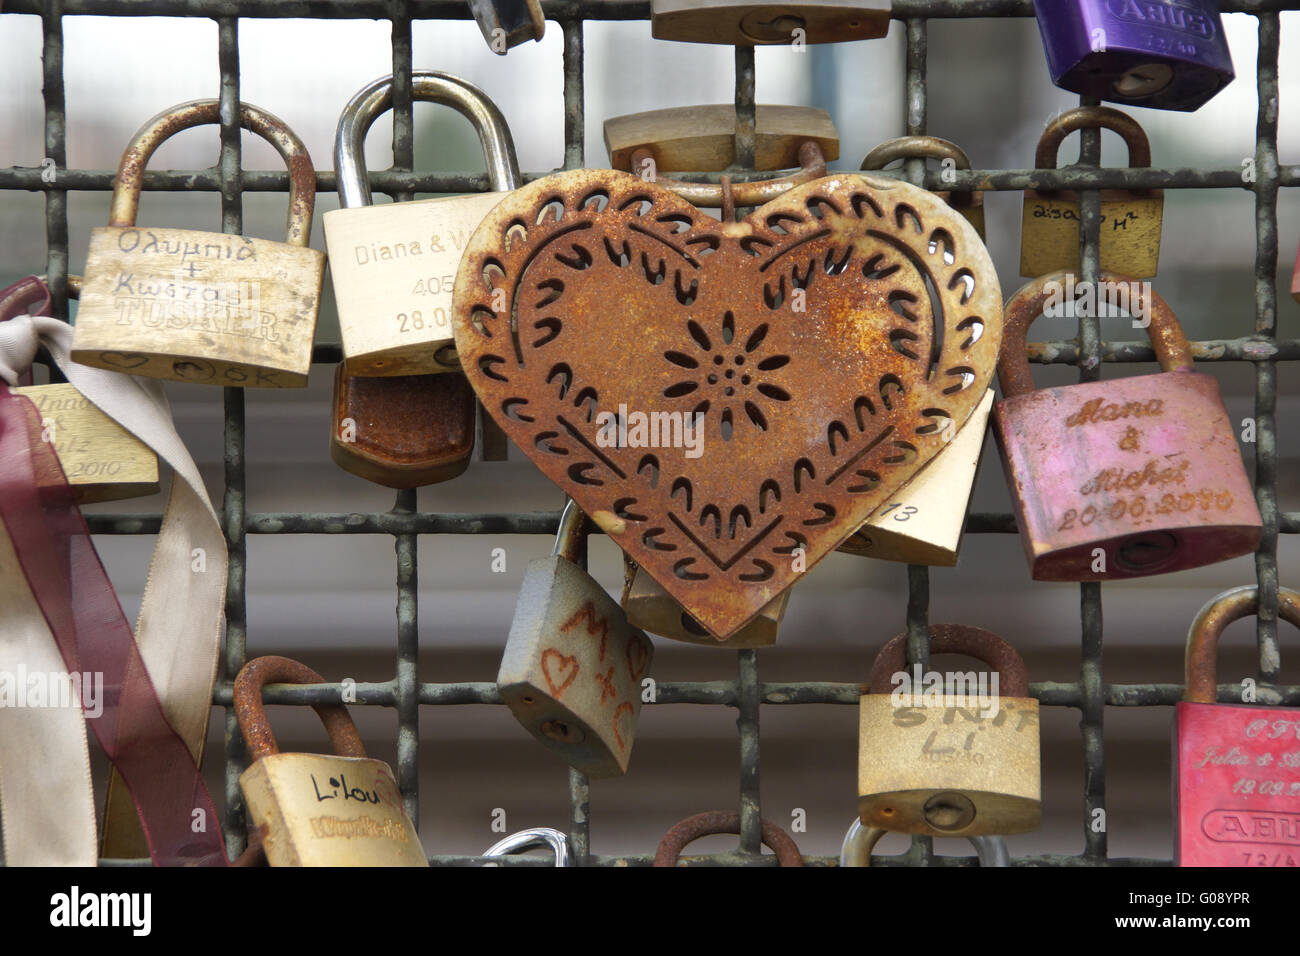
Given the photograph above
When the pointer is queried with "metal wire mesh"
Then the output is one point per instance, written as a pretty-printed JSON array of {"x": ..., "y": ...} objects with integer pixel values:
[{"x": 1090, "y": 694}]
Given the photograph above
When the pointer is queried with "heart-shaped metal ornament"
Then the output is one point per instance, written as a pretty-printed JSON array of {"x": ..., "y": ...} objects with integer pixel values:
[{"x": 728, "y": 401}]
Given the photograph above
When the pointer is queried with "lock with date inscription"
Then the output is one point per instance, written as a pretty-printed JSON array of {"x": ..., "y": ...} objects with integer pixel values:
[
  {"x": 101, "y": 460},
  {"x": 954, "y": 754},
  {"x": 312, "y": 810},
  {"x": 1131, "y": 220},
  {"x": 203, "y": 307},
  {"x": 1170, "y": 55},
  {"x": 573, "y": 665},
  {"x": 1122, "y": 478},
  {"x": 1236, "y": 768}
]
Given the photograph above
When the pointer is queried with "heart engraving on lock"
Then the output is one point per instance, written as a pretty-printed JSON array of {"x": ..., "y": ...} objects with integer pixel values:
[{"x": 729, "y": 402}]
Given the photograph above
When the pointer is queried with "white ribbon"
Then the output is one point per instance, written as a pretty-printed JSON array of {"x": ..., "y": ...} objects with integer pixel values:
[{"x": 178, "y": 630}]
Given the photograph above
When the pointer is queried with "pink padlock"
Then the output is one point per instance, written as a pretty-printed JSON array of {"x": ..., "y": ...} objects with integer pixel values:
[{"x": 1122, "y": 478}]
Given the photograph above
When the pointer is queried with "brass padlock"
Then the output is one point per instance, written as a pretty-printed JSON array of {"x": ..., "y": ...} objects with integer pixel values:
[
  {"x": 969, "y": 204},
  {"x": 747, "y": 23},
  {"x": 923, "y": 524},
  {"x": 101, "y": 460},
  {"x": 402, "y": 431},
  {"x": 1130, "y": 219},
  {"x": 312, "y": 810},
  {"x": 394, "y": 265},
  {"x": 652, "y": 609},
  {"x": 702, "y": 139},
  {"x": 573, "y": 665},
  {"x": 949, "y": 755},
  {"x": 203, "y": 307},
  {"x": 859, "y": 841}
]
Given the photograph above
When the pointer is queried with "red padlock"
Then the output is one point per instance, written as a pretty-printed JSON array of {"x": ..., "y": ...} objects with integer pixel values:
[
  {"x": 1237, "y": 768},
  {"x": 1122, "y": 478}
]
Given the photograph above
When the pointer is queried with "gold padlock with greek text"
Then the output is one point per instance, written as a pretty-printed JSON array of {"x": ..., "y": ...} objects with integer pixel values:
[{"x": 203, "y": 307}]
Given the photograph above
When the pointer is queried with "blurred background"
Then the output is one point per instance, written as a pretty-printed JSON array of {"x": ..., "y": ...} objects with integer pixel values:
[{"x": 329, "y": 600}]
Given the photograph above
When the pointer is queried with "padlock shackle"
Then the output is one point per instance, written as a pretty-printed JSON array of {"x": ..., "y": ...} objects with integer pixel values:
[
  {"x": 251, "y": 714},
  {"x": 1089, "y": 117},
  {"x": 427, "y": 86},
  {"x": 1013, "y": 679},
  {"x": 302, "y": 175},
  {"x": 723, "y": 821},
  {"x": 1172, "y": 349},
  {"x": 914, "y": 147},
  {"x": 812, "y": 166},
  {"x": 24, "y": 295},
  {"x": 860, "y": 840},
  {"x": 568, "y": 537},
  {"x": 531, "y": 839},
  {"x": 1200, "y": 668}
]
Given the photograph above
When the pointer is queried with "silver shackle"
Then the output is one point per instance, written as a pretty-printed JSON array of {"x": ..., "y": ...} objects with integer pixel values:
[
  {"x": 426, "y": 86},
  {"x": 530, "y": 839},
  {"x": 860, "y": 841}
]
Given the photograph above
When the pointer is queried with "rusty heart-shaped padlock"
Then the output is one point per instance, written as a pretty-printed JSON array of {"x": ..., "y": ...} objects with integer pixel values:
[{"x": 728, "y": 401}]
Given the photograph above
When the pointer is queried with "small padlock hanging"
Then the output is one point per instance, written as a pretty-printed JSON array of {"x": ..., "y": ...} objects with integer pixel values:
[
  {"x": 969, "y": 204},
  {"x": 313, "y": 810},
  {"x": 573, "y": 665},
  {"x": 1167, "y": 56},
  {"x": 203, "y": 307},
  {"x": 1127, "y": 477},
  {"x": 750, "y": 23},
  {"x": 859, "y": 841},
  {"x": 530, "y": 840},
  {"x": 713, "y": 822},
  {"x": 949, "y": 754},
  {"x": 101, "y": 460},
  {"x": 1131, "y": 219},
  {"x": 1236, "y": 768}
]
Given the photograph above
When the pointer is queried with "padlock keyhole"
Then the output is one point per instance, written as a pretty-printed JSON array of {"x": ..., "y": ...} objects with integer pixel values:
[
  {"x": 1147, "y": 553},
  {"x": 949, "y": 811},
  {"x": 1145, "y": 80},
  {"x": 564, "y": 733}
]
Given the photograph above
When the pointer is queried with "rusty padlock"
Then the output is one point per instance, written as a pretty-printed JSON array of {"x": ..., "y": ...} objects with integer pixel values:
[
  {"x": 312, "y": 810},
  {"x": 750, "y": 23},
  {"x": 393, "y": 265},
  {"x": 1131, "y": 220},
  {"x": 859, "y": 841},
  {"x": 101, "y": 460},
  {"x": 954, "y": 754},
  {"x": 923, "y": 524},
  {"x": 203, "y": 307},
  {"x": 969, "y": 204},
  {"x": 1236, "y": 768},
  {"x": 529, "y": 840},
  {"x": 1127, "y": 477},
  {"x": 714, "y": 822},
  {"x": 703, "y": 138},
  {"x": 652, "y": 609},
  {"x": 572, "y": 668}
]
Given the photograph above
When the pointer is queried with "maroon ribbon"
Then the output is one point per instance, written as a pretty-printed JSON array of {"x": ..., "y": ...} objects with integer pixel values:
[{"x": 79, "y": 604}]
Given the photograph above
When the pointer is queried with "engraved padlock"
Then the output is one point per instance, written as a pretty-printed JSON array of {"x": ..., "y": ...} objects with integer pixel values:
[
  {"x": 313, "y": 810},
  {"x": 203, "y": 307},
  {"x": 393, "y": 265},
  {"x": 530, "y": 840},
  {"x": 1130, "y": 219},
  {"x": 508, "y": 23},
  {"x": 953, "y": 754},
  {"x": 702, "y": 139},
  {"x": 573, "y": 665},
  {"x": 859, "y": 841},
  {"x": 714, "y": 822},
  {"x": 924, "y": 521},
  {"x": 750, "y": 23},
  {"x": 653, "y": 609},
  {"x": 969, "y": 204},
  {"x": 1236, "y": 768},
  {"x": 1122, "y": 478},
  {"x": 101, "y": 460},
  {"x": 1168, "y": 55}
]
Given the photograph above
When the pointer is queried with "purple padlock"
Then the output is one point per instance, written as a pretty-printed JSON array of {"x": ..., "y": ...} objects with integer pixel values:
[{"x": 1165, "y": 54}]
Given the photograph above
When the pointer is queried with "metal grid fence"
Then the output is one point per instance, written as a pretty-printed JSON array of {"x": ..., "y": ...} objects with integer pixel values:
[{"x": 1089, "y": 694}]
